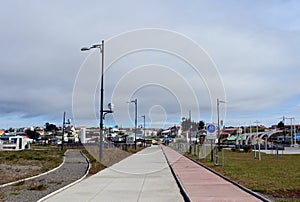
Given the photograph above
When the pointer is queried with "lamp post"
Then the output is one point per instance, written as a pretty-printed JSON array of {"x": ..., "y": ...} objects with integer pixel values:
[
  {"x": 219, "y": 137},
  {"x": 63, "y": 130},
  {"x": 292, "y": 130},
  {"x": 144, "y": 128},
  {"x": 218, "y": 112},
  {"x": 250, "y": 131},
  {"x": 101, "y": 48},
  {"x": 135, "y": 120},
  {"x": 190, "y": 127},
  {"x": 257, "y": 122},
  {"x": 295, "y": 135}
]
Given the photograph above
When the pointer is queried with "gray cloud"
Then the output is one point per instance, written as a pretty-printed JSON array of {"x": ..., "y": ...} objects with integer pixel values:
[{"x": 253, "y": 43}]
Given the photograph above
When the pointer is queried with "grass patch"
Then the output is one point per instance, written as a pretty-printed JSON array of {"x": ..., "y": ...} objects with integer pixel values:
[
  {"x": 110, "y": 156},
  {"x": 14, "y": 194},
  {"x": 279, "y": 178},
  {"x": 35, "y": 155},
  {"x": 17, "y": 165},
  {"x": 3, "y": 195},
  {"x": 96, "y": 166}
]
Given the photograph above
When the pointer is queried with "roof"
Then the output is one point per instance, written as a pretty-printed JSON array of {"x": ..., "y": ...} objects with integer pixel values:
[{"x": 231, "y": 138}]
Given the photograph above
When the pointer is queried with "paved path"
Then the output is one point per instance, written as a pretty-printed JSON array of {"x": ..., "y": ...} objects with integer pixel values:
[
  {"x": 73, "y": 168},
  {"x": 144, "y": 176},
  {"x": 202, "y": 185}
]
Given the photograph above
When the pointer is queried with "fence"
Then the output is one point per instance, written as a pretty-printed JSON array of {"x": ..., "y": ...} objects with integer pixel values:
[{"x": 199, "y": 150}]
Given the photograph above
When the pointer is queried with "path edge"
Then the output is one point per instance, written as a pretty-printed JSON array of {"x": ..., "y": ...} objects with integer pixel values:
[{"x": 71, "y": 184}]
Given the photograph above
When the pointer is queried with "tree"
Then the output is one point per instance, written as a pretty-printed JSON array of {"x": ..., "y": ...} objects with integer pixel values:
[
  {"x": 159, "y": 132},
  {"x": 50, "y": 127},
  {"x": 186, "y": 124},
  {"x": 194, "y": 126},
  {"x": 10, "y": 130},
  {"x": 201, "y": 125},
  {"x": 32, "y": 134},
  {"x": 243, "y": 129},
  {"x": 280, "y": 125}
]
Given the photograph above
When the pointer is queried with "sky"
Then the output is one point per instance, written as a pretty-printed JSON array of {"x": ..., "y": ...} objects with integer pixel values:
[{"x": 245, "y": 53}]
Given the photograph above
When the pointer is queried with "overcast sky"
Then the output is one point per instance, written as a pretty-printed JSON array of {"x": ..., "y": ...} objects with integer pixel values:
[{"x": 254, "y": 45}]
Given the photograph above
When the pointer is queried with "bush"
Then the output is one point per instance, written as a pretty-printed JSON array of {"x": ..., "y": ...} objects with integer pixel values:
[
  {"x": 234, "y": 149},
  {"x": 248, "y": 148}
]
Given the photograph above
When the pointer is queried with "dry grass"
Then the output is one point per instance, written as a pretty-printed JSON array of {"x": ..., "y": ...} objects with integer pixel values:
[
  {"x": 16, "y": 165},
  {"x": 111, "y": 155}
]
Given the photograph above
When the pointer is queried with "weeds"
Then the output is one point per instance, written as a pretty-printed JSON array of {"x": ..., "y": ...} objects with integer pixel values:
[
  {"x": 20, "y": 183},
  {"x": 40, "y": 187},
  {"x": 27, "y": 163}
]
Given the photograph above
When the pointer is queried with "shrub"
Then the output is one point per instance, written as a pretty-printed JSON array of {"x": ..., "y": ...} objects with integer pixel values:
[{"x": 248, "y": 148}]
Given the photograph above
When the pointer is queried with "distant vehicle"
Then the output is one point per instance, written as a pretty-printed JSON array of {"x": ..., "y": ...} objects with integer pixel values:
[
  {"x": 167, "y": 140},
  {"x": 156, "y": 141}
]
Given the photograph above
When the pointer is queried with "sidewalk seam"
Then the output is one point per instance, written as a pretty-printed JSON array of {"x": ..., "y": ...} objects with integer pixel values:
[{"x": 142, "y": 188}]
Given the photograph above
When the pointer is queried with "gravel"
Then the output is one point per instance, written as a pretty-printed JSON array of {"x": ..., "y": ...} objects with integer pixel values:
[{"x": 73, "y": 168}]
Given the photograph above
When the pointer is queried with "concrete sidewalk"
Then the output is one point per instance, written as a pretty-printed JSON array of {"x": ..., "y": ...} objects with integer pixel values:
[
  {"x": 202, "y": 185},
  {"x": 144, "y": 176}
]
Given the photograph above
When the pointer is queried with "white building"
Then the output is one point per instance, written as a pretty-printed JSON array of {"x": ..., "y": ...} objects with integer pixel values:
[{"x": 15, "y": 143}]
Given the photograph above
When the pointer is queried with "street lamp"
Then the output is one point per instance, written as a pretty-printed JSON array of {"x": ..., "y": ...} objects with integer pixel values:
[
  {"x": 109, "y": 110},
  {"x": 218, "y": 112},
  {"x": 190, "y": 131},
  {"x": 135, "y": 121},
  {"x": 63, "y": 130},
  {"x": 292, "y": 129},
  {"x": 219, "y": 137},
  {"x": 144, "y": 128},
  {"x": 101, "y": 48},
  {"x": 257, "y": 122}
]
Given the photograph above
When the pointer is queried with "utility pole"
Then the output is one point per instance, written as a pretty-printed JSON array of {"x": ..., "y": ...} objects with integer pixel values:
[
  {"x": 250, "y": 131},
  {"x": 190, "y": 118},
  {"x": 63, "y": 131},
  {"x": 101, "y": 102},
  {"x": 218, "y": 113},
  {"x": 144, "y": 129},
  {"x": 292, "y": 129},
  {"x": 101, "y": 48},
  {"x": 284, "y": 131},
  {"x": 135, "y": 120}
]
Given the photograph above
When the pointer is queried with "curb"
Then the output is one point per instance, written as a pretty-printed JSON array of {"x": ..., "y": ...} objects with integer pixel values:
[
  {"x": 36, "y": 176},
  {"x": 71, "y": 184},
  {"x": 180, "y": 186}
]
